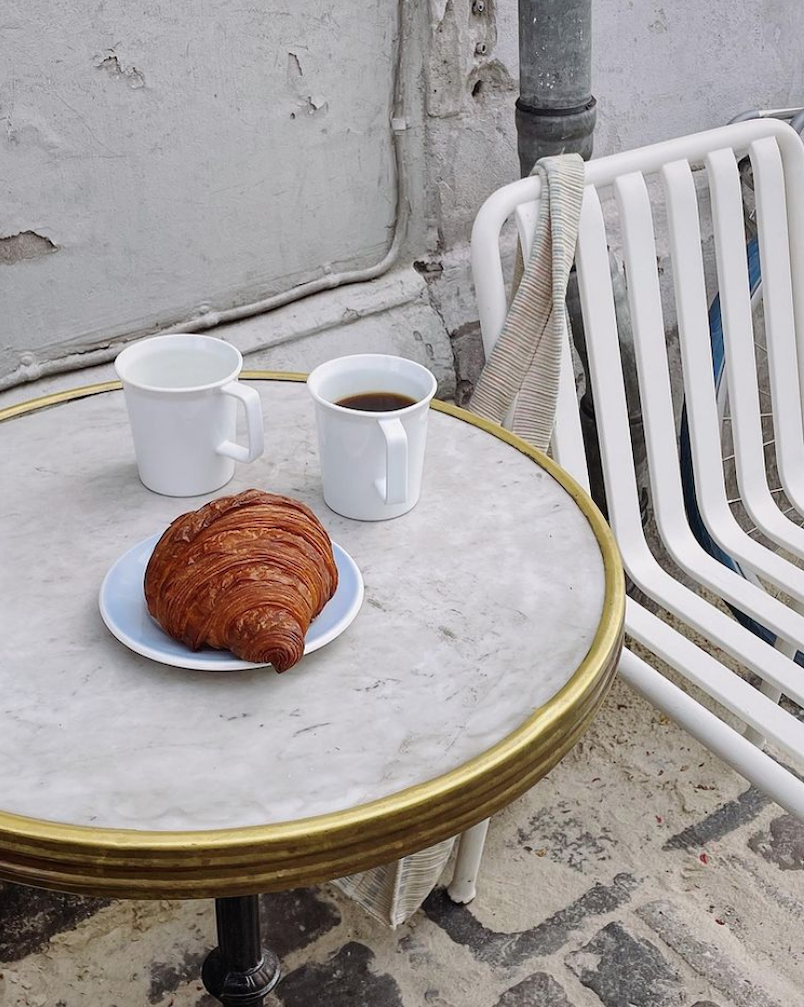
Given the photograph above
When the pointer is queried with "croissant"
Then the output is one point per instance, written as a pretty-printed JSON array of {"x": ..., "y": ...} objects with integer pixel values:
[{"x": 245, "y": 573}]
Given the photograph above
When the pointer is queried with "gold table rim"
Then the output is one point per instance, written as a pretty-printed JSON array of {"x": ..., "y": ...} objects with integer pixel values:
[{"x": 200, "y": 863}]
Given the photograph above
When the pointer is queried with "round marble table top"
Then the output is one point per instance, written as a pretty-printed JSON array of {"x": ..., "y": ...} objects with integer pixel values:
[{"x": 480, "y": 606}]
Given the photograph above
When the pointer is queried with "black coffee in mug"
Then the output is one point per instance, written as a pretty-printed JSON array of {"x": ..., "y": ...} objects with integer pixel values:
[{"x": 377, "y": 402}]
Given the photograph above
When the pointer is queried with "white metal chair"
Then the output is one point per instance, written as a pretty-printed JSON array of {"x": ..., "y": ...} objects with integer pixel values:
[{"x": 659, "y": 183}]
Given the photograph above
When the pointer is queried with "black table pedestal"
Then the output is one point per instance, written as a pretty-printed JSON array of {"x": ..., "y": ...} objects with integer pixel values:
[{"x": 239, "y": 971}]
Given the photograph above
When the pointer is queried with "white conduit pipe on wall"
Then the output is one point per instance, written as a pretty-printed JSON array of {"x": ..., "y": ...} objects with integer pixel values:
[{"x": 210, "y": 319}]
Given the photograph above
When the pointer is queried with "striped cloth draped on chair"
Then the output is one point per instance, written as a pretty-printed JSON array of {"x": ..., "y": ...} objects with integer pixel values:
[{"x": 523, "y": 369}]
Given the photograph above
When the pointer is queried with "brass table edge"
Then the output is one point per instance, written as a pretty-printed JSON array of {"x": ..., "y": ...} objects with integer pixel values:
[{"x": 200, "y": 864}]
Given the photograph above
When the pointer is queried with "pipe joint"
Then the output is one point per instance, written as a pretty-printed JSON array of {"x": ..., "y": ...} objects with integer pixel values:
[{"x": 543, "y": 132}]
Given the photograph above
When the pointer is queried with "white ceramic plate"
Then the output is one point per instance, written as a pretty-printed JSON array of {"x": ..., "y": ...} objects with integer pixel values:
[{"x": 123, "y": 609}]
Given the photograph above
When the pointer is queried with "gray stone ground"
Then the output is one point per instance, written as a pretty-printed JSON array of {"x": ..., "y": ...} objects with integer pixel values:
[{"x": 640, "y": 873}]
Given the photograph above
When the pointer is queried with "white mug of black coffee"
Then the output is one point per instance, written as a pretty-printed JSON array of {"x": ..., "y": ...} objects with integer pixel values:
[{"x": 371, "y": 412}]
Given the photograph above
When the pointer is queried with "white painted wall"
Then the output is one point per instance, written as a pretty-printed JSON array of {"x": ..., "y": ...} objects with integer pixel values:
[
  {"x": 176, "y": 154},
  {"x": 659, "y": 69},
  {"x": 181, "y": 153},
  {"x": 663, "y": 69}
]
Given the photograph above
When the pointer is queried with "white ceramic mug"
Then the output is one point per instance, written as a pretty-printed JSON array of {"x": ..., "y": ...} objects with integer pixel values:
[
  {"x": 371, "y": 462},
  {"x": 181, "y": 394}
]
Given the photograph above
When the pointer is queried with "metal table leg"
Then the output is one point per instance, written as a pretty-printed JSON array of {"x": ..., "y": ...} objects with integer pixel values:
[{"x": 239, "y": 971}]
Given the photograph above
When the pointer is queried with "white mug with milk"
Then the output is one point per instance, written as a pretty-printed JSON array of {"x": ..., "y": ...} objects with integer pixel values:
[{"x": 182, "y": 395}]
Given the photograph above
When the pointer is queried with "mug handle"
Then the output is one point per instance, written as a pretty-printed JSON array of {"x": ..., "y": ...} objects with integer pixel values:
[
  {"x": 395, "y": 490},
  {"x": 254, "y": 425}
]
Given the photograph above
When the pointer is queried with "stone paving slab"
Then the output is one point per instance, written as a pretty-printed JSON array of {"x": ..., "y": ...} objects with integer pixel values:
[
  {"x": 641, "y": 873},
  {"x": 742, "y": 981},
  {"x": 623, "y": 969}
]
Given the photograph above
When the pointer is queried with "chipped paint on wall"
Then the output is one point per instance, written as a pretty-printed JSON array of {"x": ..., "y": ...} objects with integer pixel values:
[
  {"x": 23, "y": 247},
  {"x": 110, "y": 62}
]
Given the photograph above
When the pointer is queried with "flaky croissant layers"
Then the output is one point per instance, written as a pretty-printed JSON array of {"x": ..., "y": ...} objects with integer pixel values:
[{"x": 245, "y": 573}]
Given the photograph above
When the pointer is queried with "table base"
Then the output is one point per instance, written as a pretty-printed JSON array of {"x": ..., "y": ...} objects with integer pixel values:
[{"x": 239, "y": 971}]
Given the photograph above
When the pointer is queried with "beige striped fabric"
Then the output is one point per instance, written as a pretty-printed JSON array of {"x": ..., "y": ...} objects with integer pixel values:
[
  {"x": 393, "y": 893},
  {"x": 523, "y": 369}
]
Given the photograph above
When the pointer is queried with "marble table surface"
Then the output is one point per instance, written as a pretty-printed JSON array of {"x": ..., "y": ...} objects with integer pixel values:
[{"x": 479, "y": 606}]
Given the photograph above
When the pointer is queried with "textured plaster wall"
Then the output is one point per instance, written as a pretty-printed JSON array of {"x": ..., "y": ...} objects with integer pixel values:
[
  {"x": 665, "y": 69},
  {"x": 659, "y": 69},
  {"x": 159, "y": 155},
  {"x": 162, "y": 156}
]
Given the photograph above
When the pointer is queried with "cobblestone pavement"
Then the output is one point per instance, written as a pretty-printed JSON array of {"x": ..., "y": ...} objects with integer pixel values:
[{"x": 640, "y": 873}]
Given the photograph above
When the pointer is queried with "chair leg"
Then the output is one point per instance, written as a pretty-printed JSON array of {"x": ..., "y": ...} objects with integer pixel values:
[
  {"x": 463, "y": 886},
  {"x": 774, "y": 695}
]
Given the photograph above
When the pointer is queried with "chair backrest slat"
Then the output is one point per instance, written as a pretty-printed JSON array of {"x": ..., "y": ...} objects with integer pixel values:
[
  {"x": 738, "y": 332},
  {"x": 777, "y": 302},
  {"x": 608, "y": 388},
  {"x": 692, "y": 312},
  {"x": 647, "y": 318},
  {"x": 792, "y": 151}
]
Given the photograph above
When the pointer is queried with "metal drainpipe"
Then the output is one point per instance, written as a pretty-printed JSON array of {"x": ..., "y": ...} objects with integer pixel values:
[
  {"x": 555, "y": 111},
  {"x": 556, "y": 114}
]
